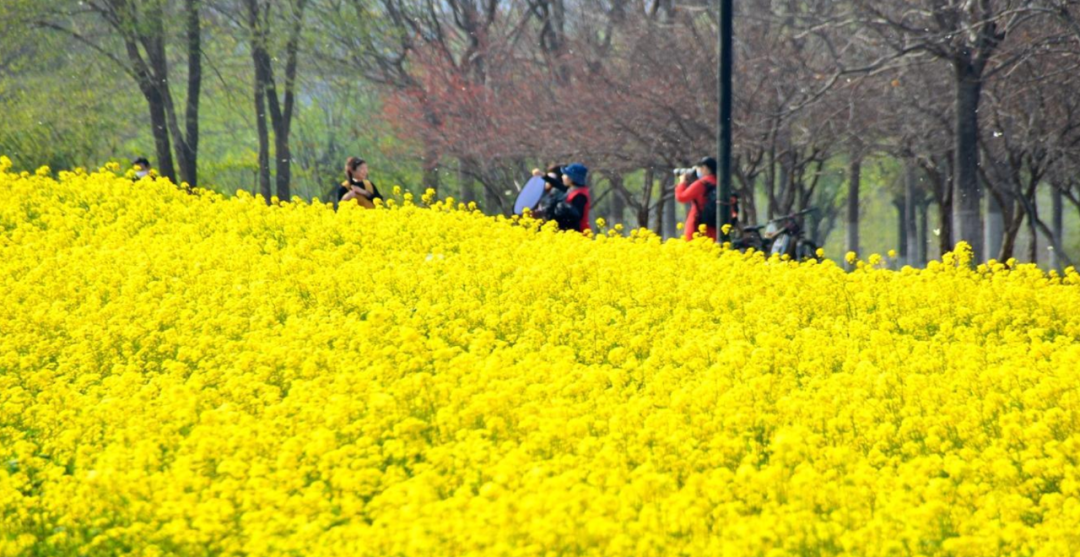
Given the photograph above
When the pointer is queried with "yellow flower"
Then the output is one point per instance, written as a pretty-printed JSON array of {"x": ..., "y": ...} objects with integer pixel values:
[{"x": 192, "y": 374}]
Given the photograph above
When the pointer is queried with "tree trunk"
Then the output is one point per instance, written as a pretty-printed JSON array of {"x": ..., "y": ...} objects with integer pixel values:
[
  {"x": 258, "y": 58},
  {"x": 194, "y": 91},
  {"x": 281, "y": 114},
  {"x": 266, "y": 96},
  {"x": 994, "y": 228},
  {"x": 924, "y": 237},
  {"x": 770, "y": 186},
  {"x": 1057, "y": 224},
  {"x": 646, "y": 198},
  {"x": 854, "y": 183},
  {"x": 618, "y": 204},
  {"x": 746, "y": 198},
  {"x": 282, "y": 161},
  {"x": 670, "y": 219},
  {"x": 661, "y": 205},
  {"x": 785, "y": 185},
  {"x": 493, "y": 199},
  {"x": 901, "y": 229},
  {"x": 912, "y": 236},
  {"x": 264, "y": 141},
  {"x": 967, "y": 220},
  {"x": 153, "y": 42},
  {"x": 150, "y": 85},
  {"x": 1008, "y": 245},
  {"x": 1011, "y": 230},
  {"x": 945, "y": 243},
  {"x": 161, "y": 134},
  {"x": 466, "y": 180},
  {"x": 803, "y": 193},
  {"x": 1033, "y": 215}
]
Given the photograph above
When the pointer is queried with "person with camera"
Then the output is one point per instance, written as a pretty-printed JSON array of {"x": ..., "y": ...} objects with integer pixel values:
[
  {"x": 698, "y": 188},
  {"x": 569, "y": 203},
  {"x": 356, "y": 186},
  {"x": 552, "y": 177},
  {"x": 554, "y": 191}
]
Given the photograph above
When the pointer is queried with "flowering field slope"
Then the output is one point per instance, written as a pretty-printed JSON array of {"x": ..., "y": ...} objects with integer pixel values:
[{"x": 196, "y": 375}]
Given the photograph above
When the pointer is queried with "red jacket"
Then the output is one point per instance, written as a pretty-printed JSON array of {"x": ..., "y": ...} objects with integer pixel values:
[
  {"x": 695, "y": 195},
  {"x": 579, "y": 192}
]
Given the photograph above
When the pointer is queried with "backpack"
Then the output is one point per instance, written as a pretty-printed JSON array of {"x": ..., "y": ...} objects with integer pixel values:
[{"x": 707, "y": 214}]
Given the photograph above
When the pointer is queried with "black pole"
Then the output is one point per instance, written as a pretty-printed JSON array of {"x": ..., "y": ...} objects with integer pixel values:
[{"x": 723, "y": 139}]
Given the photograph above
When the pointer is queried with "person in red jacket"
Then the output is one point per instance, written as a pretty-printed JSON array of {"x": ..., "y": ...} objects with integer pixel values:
[
  {"x": 572, "y": 213},
  {"x": 695, "y": 194}
]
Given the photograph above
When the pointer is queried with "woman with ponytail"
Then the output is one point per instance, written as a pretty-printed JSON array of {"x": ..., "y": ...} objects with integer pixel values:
[{"x": 356, "y": 185}]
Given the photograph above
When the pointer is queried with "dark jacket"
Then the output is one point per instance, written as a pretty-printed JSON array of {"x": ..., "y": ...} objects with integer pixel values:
[
  {"x": 342, "y": 190},
  {"x": 572, "y": 213}
]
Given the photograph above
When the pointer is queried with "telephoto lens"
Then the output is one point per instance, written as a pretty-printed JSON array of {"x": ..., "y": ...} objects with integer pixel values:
[{"x": 690, "y": 173}]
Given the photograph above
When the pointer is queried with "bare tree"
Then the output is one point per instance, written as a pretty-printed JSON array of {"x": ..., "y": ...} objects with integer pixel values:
[
  {"x": 141, "y": 52},
  {"x": 972, "y": 37},
  {"x": 263, "y": 19},
  {"x": 1032, "y": 119}
]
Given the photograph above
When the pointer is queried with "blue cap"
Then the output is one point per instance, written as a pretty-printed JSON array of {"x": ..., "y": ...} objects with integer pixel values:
[{"x": 577, "y": 173}]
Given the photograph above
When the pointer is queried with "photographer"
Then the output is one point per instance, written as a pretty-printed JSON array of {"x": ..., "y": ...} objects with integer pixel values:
[
  {"x": 554, "y": 191},
  {"x": 698, "y": 188},
  {"x": 570, "y": 203},
  {"x": 552, "y": 178}
]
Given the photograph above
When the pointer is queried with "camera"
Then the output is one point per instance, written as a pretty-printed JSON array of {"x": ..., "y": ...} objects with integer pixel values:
[{"x": 690, "y": 172}]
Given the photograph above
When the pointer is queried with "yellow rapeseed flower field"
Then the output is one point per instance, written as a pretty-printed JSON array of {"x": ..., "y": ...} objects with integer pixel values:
[{"x": 196, "y": 375}]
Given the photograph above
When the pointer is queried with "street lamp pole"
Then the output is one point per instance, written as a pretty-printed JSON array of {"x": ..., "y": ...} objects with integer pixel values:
[{"x": 723, "y": 139}]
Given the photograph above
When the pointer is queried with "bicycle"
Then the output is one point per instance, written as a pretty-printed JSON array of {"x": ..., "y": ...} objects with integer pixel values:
[{"x": 780, "y": 236}]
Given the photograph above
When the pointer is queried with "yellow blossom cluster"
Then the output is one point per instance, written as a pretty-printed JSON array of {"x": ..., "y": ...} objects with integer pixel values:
[{"x": 190, "y": 374}]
